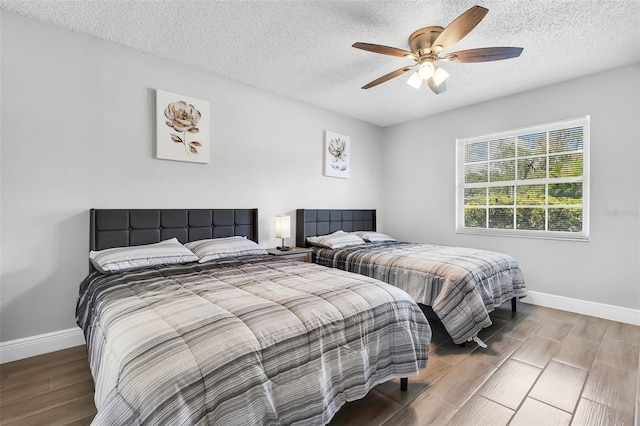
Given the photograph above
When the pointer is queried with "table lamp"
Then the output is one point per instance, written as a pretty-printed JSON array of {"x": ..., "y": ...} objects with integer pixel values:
[{"x": 283, "y": 230}]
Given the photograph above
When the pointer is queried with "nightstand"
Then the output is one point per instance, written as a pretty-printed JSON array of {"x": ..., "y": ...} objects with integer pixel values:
[{"x": 296, "y": 253}]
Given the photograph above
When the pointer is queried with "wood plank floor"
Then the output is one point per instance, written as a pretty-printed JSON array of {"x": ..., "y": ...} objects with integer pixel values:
[{"x": 542, "y": 366}]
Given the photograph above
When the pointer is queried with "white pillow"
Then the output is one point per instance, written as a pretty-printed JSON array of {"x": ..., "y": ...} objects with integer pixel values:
[
  {"x": 338, "y": 239},
  {"x": 218, "y": 248},
  {"x": 374, "y": 237},
  {"x": 119, "y": 259}
]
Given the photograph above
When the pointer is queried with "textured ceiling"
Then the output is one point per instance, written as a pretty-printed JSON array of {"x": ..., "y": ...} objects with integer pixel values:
[{"x": 302, "y": 49}]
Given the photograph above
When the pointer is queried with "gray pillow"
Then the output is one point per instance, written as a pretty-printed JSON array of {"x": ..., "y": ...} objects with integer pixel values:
[
  {"x": 338, "y": 239},
  {"x": 119, "y": 259},
  {"x": 218, "y": 248}
]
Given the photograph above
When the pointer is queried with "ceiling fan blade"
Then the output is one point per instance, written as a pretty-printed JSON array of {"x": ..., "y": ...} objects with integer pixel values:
[
  {"x": 460, "y": 27},
  {"x": 486, "y": 54},
  {"x": 385, "y": 50},
  {"x": 387, "y": 77}
]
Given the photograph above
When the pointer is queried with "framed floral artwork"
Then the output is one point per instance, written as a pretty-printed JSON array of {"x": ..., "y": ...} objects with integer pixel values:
[
  {"x": 182, "y": 128},
  {"x": 337, "y": 155}
]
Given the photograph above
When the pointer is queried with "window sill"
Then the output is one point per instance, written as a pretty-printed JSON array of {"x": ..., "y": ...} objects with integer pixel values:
[{"x": 543, "y": 235}]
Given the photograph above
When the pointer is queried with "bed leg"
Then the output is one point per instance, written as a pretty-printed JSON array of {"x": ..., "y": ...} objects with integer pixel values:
[
  {"x": 404, "y": 384},
  {"x": 513, "y": 304}
]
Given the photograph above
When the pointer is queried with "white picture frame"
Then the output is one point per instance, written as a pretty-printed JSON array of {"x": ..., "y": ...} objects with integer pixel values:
[
  {"x": 182, "y": 128},
  {"x": 337, "y": 155}
]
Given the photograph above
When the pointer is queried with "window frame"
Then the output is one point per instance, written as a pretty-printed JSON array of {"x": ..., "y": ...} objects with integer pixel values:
[{"x": 583, "y": 121}]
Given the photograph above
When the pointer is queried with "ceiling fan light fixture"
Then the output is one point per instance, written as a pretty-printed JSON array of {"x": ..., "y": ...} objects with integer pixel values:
[
  {"x": 425, "y": 71},
  {"x": 436, "y": 88},
  {"x": 415, "y": 80},
  {"x": 439, "y": 76}
]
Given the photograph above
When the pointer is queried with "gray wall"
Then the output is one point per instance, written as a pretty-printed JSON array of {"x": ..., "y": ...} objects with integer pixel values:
[
  {"x": 419, "y": 189},
  {"x": 78, "y": 132}
]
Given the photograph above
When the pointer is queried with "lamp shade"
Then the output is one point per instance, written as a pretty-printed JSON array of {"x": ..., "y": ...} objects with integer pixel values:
[
  {"x": 425, "y": 70},
  {"x": 283, "y": 226},
  {"x": 415, "y": 80},
  {"x": 439, "y": 76}
]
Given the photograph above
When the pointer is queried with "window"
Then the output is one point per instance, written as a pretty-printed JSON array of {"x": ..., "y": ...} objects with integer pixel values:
[{"x": 530, "y": 182}]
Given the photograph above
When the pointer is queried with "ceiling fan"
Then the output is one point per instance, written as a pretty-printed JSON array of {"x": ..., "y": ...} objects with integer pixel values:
[{"x": 428, "y": 46}]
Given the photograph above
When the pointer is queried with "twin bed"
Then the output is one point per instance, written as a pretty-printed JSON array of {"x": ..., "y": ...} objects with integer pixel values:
[
  {"x": 461, "y": 285},
  {"x": 239, "y": 339}
]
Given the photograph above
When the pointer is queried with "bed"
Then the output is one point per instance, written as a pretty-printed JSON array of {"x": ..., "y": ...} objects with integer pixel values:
[
  {"x": 461, "y": 285},
  {"x": 237, "y": 340}
]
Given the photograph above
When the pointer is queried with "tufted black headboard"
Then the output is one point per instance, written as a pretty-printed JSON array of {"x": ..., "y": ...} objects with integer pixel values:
[
  {"x": 322, "y": 222},
  {"x": 132, "y": 227}
]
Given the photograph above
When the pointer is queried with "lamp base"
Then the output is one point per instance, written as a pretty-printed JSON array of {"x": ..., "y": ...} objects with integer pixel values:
[{"x": 283, "y": 248}]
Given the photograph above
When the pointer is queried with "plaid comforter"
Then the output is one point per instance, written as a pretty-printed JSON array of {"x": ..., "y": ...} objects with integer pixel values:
[
  {"x": 462, "y": 285},
  {"x": 256, "y": 341}
]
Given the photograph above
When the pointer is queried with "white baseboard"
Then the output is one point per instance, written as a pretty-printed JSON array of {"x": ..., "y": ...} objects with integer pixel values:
[
  {"x": 585, "y": 307},
  {"x": 14, "y": 350}
]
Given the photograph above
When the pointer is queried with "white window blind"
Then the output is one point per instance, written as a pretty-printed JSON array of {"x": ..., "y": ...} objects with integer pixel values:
[{"x": 530, "y": 182}]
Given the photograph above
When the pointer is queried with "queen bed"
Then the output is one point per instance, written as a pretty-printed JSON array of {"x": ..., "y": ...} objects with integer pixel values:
[
  {"x": 244, "y": 338},
  {"x": 461, "y": 285}
]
